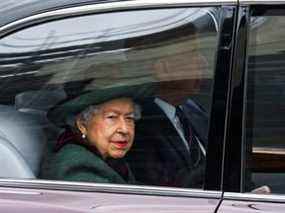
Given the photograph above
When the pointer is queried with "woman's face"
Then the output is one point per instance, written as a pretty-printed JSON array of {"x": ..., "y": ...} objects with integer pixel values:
[{"x": 112, "y": 128}]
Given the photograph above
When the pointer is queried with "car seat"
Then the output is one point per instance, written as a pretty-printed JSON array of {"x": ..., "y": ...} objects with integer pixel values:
[{"x": 22, "y": 141}]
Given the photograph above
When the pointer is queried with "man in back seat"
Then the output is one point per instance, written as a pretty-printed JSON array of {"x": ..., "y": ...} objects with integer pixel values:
[{"x": 171, "y": 138}]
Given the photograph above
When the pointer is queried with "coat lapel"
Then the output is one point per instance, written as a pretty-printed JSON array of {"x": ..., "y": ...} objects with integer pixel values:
[{"x": 167, "y": 131}]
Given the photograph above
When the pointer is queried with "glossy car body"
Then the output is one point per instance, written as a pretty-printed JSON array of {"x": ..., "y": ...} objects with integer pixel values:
[{"x": 225, "y": 180}]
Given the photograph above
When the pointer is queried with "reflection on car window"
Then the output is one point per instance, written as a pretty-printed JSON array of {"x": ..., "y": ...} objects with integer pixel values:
[
  {"x": 162, "y": 61},
  {"x": 264, "y": 109}
]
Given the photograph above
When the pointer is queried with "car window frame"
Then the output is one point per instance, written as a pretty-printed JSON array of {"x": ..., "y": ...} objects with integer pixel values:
[{"x": 217, "y": 125}]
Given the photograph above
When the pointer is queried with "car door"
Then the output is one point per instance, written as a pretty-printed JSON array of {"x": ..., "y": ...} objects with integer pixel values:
[
  {"x": 254, "y": 165},
  {"x": 56, "y": 51}
]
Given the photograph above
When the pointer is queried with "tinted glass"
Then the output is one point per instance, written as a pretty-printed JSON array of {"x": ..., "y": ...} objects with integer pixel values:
[
  {"x": 160, "y": 58},
  {"x": 265, "y": 118}
]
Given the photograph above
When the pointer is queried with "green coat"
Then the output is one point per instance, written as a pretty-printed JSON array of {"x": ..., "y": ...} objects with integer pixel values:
[{"x": 76, "y": 163}]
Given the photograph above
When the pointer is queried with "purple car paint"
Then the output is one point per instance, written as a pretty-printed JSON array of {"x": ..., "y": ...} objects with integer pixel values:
[{"x": 33, "y": 200}]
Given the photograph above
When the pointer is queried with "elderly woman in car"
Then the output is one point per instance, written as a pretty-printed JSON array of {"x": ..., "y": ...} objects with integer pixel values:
[{"x": 93, "y": 149}]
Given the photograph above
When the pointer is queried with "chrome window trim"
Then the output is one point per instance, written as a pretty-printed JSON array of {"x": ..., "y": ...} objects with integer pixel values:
[
  {"x": 110, "y": 188},
  {"x": 262, "y": 2},
  {"x": 254, "y": 197},
  {"x": 107, "y": 7}
]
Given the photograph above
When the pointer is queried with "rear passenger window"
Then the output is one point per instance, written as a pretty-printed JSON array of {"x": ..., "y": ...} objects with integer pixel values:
[
  {"x": 164, "y": 56},
  {"x": 265, "y": 118}
]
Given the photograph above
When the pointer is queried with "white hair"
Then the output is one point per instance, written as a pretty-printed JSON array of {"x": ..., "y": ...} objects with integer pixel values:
[{"x": 86, "y": 115}]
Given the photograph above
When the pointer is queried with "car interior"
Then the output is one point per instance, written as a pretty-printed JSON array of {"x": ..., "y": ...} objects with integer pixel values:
[{"x": 25, "y": 133}]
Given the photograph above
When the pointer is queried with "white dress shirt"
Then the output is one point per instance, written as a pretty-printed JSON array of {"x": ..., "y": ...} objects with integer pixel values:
[{"x": 169, "y": 111}]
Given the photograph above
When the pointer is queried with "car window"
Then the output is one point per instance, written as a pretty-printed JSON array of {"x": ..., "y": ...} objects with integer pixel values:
[
  {"x": 265, "y": 118},
  {"x": 163, "y": 58}
]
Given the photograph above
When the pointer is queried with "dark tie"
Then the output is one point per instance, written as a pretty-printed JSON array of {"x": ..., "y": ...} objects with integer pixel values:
[
  {"x": 189, "y": 136},
  {"x": 184, "y": 123}
]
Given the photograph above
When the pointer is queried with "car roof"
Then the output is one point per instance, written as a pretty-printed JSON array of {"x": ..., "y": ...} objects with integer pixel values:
[{"x": 12, "y": 10}]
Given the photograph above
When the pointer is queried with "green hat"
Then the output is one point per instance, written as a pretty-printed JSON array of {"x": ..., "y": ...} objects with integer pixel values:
[{"x": 61, "y": 113}]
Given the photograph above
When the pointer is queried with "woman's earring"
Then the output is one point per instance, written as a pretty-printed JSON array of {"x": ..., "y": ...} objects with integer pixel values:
[{"x": 83, "y": 136}]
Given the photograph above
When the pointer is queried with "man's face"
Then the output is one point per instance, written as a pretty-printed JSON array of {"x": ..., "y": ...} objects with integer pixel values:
[
  {"x": 112, "y": 128},
  {"x": 178, "y": 76}
]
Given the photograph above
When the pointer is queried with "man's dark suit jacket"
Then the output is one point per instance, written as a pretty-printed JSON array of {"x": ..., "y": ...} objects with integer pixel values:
[{"x": 160, "y": 157}]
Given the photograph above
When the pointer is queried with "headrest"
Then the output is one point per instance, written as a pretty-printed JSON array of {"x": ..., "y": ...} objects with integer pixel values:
[{"x": 39, "y": 100}]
